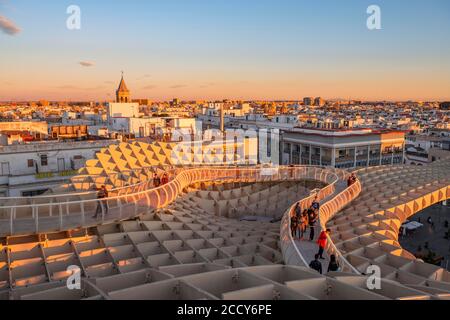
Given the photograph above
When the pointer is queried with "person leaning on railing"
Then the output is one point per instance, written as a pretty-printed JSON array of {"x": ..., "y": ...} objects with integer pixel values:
[
  {"x": 156, "y": 180},
  {"x": 297, "y": 215},
  {"x": 315, "y": 205},
  {"x": 303, "y": 223},
  {"x": 351, "y": 180},
  {"x": 312, "y": 219},
  {"x": 165, "y": 179}
]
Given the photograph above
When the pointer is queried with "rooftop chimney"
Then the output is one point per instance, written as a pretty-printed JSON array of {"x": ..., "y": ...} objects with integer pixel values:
[{"x": 222, "y": 119}]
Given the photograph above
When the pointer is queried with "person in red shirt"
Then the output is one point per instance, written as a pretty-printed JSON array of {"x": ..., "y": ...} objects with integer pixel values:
[
  {"x": 165, "y": 179},
  {"x": 322, "y": 242},
  {"x": 351, "y": 180}
]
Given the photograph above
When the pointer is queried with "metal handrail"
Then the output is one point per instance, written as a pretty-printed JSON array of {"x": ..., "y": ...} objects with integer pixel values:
[
  {"x": 334, "y": 206},
  {"x": 81, "y": 193},
  {"x": 285, "y": 228},
  {"x": 327, "y": 211}
]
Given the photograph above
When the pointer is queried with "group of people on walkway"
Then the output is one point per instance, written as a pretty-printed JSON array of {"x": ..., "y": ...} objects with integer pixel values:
[
  {"x": 317, "y": 265},
  {"x": 160, "y": 181},
  {"x": 300, "y": 221}
]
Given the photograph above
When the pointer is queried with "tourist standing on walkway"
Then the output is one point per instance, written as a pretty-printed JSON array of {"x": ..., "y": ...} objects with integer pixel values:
[
  {"x": 298, "y": 214},
  {"x": 322, "y": 242},
  {"x": 316, "y": 265},
  {"x": 333, "y": 265},
  {"x": 102, "y": 203},
  {"x": 156, "y": 180},
  {"x": 297, "y": 209},
  {"x": 165, "y": 179},
  {"x": 303, "y": 223},
  {"x": 351, "y": 180},
  {"x": 312, "y": 218},
  {"x": 316, "y": 205},
  {"x": 293, "y": 225}
]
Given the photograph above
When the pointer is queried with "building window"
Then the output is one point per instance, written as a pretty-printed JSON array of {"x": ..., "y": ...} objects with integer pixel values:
[
  {"x": 4, "y": 169},
  {"x": 30, "y": 163},
  {"x": 33, "y": 193},
  {"x": 44, "y": 160},
  {"x": 287, "y": 148},
  {"x": 316, "y": 151}
]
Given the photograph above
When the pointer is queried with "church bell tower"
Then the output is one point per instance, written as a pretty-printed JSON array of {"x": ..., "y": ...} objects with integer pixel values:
[{"x": 122, "y": 93}]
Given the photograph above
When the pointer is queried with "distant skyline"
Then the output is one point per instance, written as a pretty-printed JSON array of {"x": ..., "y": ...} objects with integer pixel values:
[{"x": 225, "y": 49}]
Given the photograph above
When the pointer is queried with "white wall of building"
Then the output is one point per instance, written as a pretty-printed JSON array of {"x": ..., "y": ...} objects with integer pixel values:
[
  {"x": 18, "y": 174},
  {"x": 128, "y": 110}
]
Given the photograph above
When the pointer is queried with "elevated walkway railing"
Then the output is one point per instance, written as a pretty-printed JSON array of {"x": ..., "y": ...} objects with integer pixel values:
[
  {"x": 73, "y": 214},
  {"x": 291, "y": 253},
  {"x": 328, "y": 210},
  {"x": 86, "y": 185}
]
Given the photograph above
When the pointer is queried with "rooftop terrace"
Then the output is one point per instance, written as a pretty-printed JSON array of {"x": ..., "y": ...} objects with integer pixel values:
[{"x": 188, "y": 231}]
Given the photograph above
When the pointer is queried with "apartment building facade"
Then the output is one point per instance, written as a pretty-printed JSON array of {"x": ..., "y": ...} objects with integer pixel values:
[
  {"x": 32, "y": 169},
  {"x": 342, "y": 148}
]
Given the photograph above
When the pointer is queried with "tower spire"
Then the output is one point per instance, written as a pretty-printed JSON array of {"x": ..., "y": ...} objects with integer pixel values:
[{"x": 122, "y": 93}]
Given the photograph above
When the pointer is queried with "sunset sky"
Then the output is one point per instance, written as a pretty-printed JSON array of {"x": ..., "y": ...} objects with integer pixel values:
[{"x": 218, "y": 49}]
